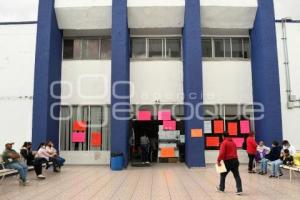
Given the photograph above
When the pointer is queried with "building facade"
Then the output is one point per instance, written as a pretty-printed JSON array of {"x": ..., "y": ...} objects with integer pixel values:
[{"x": 103, "y": 61}]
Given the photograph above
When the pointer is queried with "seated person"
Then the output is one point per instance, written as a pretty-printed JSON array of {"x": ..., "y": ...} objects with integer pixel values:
[
  {"x": 42, "y": 153},
  {"x": 261, "y": 152},
  {"x": 272, "y": 156},
  {"x": 287, "y": 145},
  {"x": 28, "y": 157},
  {"x": 287, "y": 159},
  {"x": 12, "y": 161},
  {"x": 51, "y": 150}
]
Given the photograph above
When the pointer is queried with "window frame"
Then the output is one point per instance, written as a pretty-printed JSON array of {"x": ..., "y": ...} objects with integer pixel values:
[
  {"x": 164, "y": 49},
  {"x": 81, "y": 46},
  {"x": 231, "y": 58}
]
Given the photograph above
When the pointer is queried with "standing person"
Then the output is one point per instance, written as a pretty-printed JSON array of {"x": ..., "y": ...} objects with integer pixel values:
[
  {"x": 251, "y": 150},
  {"x": 145, "y": 142},
  {"x": 228, "y": 153},
  {"x": 12, "y": 161},
  {"x": 28, "y": 157}
]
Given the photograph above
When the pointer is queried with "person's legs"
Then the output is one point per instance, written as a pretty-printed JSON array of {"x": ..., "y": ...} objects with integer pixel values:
[
  {"x": 264, "y": 165},
  {"x": 22, "y": 169},
  {"x": 143, "y": 153},
  {"x": 237, "y": 178},
  {"x": 250, "y": 164},
  {"x": 272, "y": 168},
  {"x": 277, "y": 170},
  {"x": 222, "y": 181},
  {"x": 38, "y": 168}
]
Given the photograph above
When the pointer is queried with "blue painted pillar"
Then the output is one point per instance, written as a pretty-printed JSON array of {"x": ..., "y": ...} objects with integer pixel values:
[
  {"x": 120, "y": 72},
  {"x": 265, "y": 75},
  {"x": 192, "y": 70},
  {"x": 47, "y": 70}
]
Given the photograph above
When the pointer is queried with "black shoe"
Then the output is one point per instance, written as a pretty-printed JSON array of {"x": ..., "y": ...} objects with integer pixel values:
[
  {"x": 261, "y": 173},
  {"x": 281, "y": 174},
  {"x": 56, "y": 170},
  {"x": 218, "y": 189},
  {"x": 271, "y": 176}
]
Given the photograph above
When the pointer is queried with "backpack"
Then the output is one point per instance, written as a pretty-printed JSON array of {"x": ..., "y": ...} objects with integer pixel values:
[{"x": 244, "y": 145}]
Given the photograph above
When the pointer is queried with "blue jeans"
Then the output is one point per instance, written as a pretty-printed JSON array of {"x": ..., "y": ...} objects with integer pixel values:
[
  {"x": 276, "y": 171},
  {"x": 20, "y": 167},
  {"x": 264, "y": 165}
]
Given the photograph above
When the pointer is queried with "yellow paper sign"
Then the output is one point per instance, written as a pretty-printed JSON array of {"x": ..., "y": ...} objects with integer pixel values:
[{"x": 196, "y": 132}]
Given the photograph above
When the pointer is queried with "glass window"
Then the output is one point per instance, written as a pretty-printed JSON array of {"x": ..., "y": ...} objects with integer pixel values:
[
  {"x": 219, "y": 48},
  {"x": 227, "y": 48},
  {"x": 138, "y": 48},
  {"x": 173, "y": 49},
  {"x": 77, "y": 49},
  {"x": 105, "y": 49},
  {"x": 246, "y": 48},
  {"x": 206, "y": 48},
  {"x": 237, "y": 48},
  {"x": 90, "y": 49},
  {"x": 155, "y": 48},
  {"x": 68, "y": 49}
]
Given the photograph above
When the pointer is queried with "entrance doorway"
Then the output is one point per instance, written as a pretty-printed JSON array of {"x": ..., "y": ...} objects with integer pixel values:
[{"x": 165, "y": 146}]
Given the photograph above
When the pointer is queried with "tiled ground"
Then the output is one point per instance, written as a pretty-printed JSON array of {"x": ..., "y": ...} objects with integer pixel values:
[{"x": 162, "y": 181}]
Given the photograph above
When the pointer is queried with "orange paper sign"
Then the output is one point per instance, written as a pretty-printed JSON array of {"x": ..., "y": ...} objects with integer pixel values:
[
  {"x": 167, "y": 152},
  {"x": 196, "y": 132},
  {"x": 232, "y": 128},
  {"x": 218, "y": 126},
  {"x": 79, "y": 126},
  {"x": 212, "y": 141},
  {"x": 96, "y": 139}
]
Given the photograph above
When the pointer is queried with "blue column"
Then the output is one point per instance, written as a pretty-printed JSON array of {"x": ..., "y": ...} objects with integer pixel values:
[
  {"x": 47, "y": 69},
  {"x": 120, "y": 72},
  {"x": 265, "y": 75},
  {"x": 192, "y": 70}
]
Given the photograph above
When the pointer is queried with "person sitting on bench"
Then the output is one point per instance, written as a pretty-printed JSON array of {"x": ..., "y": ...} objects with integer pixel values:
[
  {"x": 287, "y": 158},
  {"x": 43, "y": 153},
  {"x": 28, "y": 157},
  {"x": 51, "y": 150},
  {"x": 12, "y": 161}
]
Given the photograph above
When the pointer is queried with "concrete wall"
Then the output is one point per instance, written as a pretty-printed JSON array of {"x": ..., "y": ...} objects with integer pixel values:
[
  {"x": 18, "y": 10},
  {"x": 153, "y": 80},
  {"x": 17, "y": 57},
  {"x": 227, "y": 82},
  {"x": 86, "y": 82},
  {"x": 290, "y": 117}
]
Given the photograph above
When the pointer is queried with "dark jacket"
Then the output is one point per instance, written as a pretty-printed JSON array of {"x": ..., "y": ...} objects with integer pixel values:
[
  {"x": 289, "y": 161},
  {"x": 27, "y": 155},
  {"x": 274, "y": 154}
]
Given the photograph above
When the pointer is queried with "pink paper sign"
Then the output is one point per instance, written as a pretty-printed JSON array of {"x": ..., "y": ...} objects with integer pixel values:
[
  {"x": 238, "y": 142},
  {"x": 78, "y": 137},
  {"x": 169, "y": 125},
  {"x": 144, "y": 115},
  {"x": 245, "y": 126},
  {"x": 164, "y": 115}
]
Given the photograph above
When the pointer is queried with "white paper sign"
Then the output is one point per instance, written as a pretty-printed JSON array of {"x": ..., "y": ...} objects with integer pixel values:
[{"x": 207, "y": 127}]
